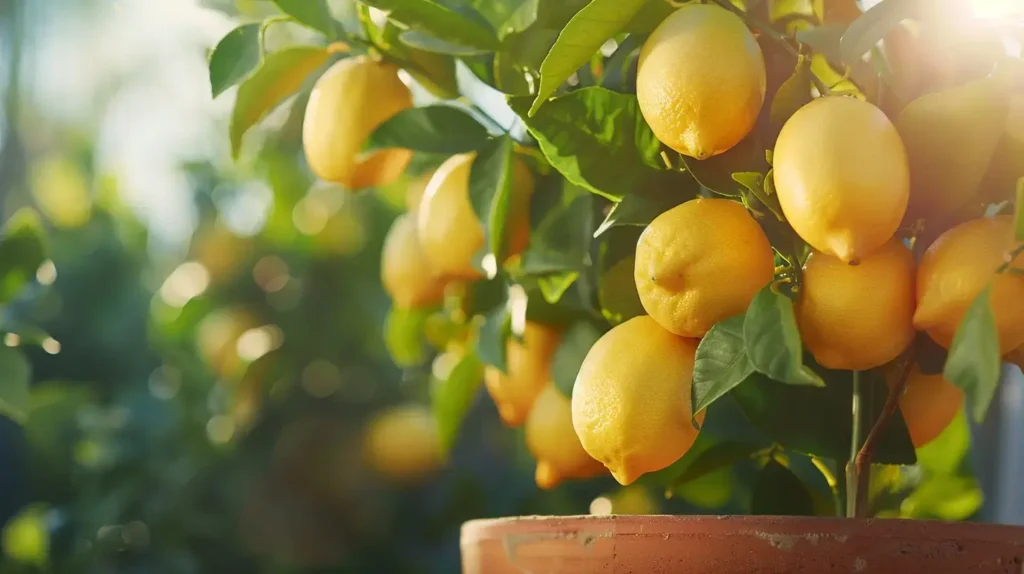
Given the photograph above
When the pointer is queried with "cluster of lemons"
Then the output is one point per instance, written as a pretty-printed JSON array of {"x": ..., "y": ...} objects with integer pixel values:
[{"x": 843, "y": 180}]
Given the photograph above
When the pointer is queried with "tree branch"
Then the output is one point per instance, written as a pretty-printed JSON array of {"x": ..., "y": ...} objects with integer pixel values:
[{"x": 862, "y": 462}]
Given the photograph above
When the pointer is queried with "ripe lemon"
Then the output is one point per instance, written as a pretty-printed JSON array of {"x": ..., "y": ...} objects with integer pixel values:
[
  {"x": 701, "y": 80},
  {"x": 527, "y": 370},
  {"x": 346, "y": 105},
  {"x": 553, "y": 442},
  {"x": 449, "y": 229},
  {"x": 956, "y": 268},
  {"x": 858, "y": 317},
  {"x": 928, "y": 405},
  {"x": 402, "y": 443},
  {"x": 406, "y": 275},
  {"x": 631, "y": 402},
  {"x": 841, "y": 175},
  {"x": 699, "y": 263}
]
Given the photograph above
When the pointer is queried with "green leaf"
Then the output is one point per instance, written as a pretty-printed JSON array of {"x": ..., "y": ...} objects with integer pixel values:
[
  {"x": 771, "y": 406},
  {"x": 15, "y": 373},
  {"x": 651, "y": 14},
  {"x": 720, "y": 455},
  {"x": 1018, "y": 217},
  {"x": 310, "y": 13},
  {"x": 435, "y": 20},
  {"x": 716, "y": 172},
  {"x": 452, "y": 396},
  {"x": 561, "y": 240},
  {"x": 824, "y": 40},
  {"x": 490, "y": 191},
  {"x": 579, "y": 40},
  {"x": 598, "y": 140},
  {"x": 974, "y": 364},
  {"x": 773, "y": 342},
  {"x": 440, "y": 128},
  {"x": 22, "y": 250},
  {"x": 491, "y": 344},
  {"x": 793, "y": 94},
  {"x": 554, "y": 285},
  {"x": 568, "y": 358},
  {"x": 721, "y": 363},
  {"x": 641, "y": 207},
  {"x": 404, "y": 335},
  {"x": 427, "y": 43},
  {"x": 235, "y": 57},
  {"x": 867, "y": 30},
  {"x": 762, "y": 187},
  {"x": 280, "y": 76},
  {"x": 778, "y": 492},
  {"x": 616, "y": 288}
]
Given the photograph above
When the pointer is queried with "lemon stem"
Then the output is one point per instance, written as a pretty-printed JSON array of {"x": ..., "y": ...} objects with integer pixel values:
[
  {"x": 782, "y": 40},
  {"x": 852, "y": 472},
  {"x": 1013, "y": 255}
]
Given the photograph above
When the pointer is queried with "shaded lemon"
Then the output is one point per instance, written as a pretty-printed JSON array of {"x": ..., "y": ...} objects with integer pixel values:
[
  {"x": 527, "y": 371},
  {"x": 449, "y": 229},
  {"x": 928, "y": 405},
  {"x": 842, "y": 176},
  {"x": 631, "y": 402},
  {"x": 405, "y": 272},
  {"x": 701, "y": 80},
  {"x": 346, "y": 105},
  {"x": 954, "y": 271},
  {"x": 699, "y": 263},
  {"x": 553, "y": 442},
  {"x": 402, "y": 443},
  {"x": 858, "y": 317}
]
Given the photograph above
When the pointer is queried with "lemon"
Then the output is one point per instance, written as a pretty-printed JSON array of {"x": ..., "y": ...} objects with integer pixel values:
[
  {"x": 841, "y": 176},
  {"x": 449, "y": 229},
  {"x": 701, "y": 80},
  {"x": 406, "y": 275},
  {"x": 928, "y": 405},
  {"x": 631, "y": 402},
  {"x": 553, "y": 442},
  {"x": 414, "y": 191},
  {"x": 858, "y": 317},
  {"x": 346, "y": 105},
  {"x": 699, "y": 263},
  {"x": 403, "y": 444},
  {"x": 954, "y": 271},
  {"x": 527, "y": 371}
]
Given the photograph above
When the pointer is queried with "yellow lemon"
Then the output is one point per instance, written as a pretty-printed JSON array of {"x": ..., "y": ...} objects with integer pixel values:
[
  {"x": 701, "y": 80},
  {"x": 954, "y": 271},
  {"x": 346, "y": 105},
  {"x": 527, "y": 370},
  {"x": 631, "y": 402},
  {"x": 841, "y": 176},
  {"x": 928, "y": 405},
  {"x": 858, "y": 317},
  {"x": 406, "y": 275},
  {"x": 402, "y": 443},
  {"x": 449, "y": 229},
  {"x": 553, "y": 442},
  {"x": 699, "y": 263}
]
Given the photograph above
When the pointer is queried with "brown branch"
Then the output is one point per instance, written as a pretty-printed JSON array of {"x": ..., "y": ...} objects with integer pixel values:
[{"x": 866, "y": 454}]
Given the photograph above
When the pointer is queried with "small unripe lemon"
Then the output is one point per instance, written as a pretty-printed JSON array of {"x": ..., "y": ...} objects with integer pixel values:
[
  {"x": 553, "y": 442},
  {"x": 403, "y": 444},
  {"x": 346, "y": 105},
  {"x": 527, "y": 371},
  {"x": 701, "y": 262},
  {"x": 954, "y": 271},
  {"x": 449, "y": 229},
  {"x": 701, "y": 80},
  {"x": 406, "y": 275},
  {"x": 928, "y": 405},
  {"x": 631, "y": 402},
  {"x": 841, "y": 176},
  {"x": 858, "y": 317}
]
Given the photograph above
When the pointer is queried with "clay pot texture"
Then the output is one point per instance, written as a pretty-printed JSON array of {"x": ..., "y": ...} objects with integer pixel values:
[{"x": 736, "y": 544}]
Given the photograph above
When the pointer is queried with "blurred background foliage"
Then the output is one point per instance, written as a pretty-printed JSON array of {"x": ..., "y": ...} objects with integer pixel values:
[{"x": 214, "y": 348}]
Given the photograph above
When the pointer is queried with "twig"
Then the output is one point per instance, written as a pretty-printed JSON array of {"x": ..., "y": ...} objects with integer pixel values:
[
  {"x": 853, "y": 483},
  {"x": 862, "y": 462},
  {"x": 777, "y": 36},
  {"x": 1013, "y": 255}
]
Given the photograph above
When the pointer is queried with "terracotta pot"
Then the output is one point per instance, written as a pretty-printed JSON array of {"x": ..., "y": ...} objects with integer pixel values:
[{"x": 735, "y": 544}]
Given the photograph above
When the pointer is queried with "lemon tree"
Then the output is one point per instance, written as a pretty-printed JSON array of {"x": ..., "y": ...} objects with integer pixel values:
[{"x": 825, "y": 243}]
